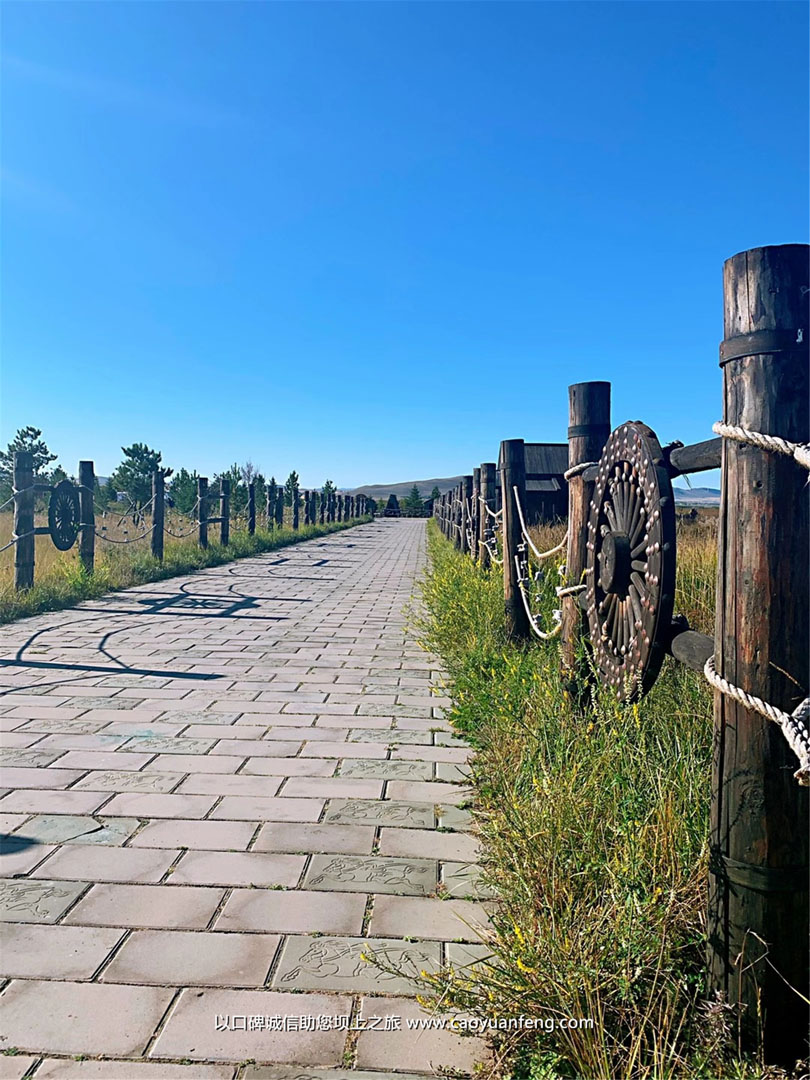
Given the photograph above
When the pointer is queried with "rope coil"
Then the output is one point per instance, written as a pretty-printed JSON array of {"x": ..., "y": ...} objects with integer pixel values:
[{"x": 794, "y": 725}]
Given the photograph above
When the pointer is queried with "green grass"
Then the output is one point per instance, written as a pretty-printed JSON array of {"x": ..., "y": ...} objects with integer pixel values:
[
  {"x": 593, "y": 817},
  {"x": 66, "y": 584}
]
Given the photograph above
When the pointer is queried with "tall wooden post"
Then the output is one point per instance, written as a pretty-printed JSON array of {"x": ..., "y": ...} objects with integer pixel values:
[
  {"x": 331, "y": 507},
  {"x": 488, "y": 482},
  {"x": 295, "y": 508},
  {"x": 24, "y": 498},
  {"x": 270, "y": 509},
  {"x": 158, "y": 511},
  {"x": 87, "y": 532},
  {"x": 758, "y": 881},
  {"x": 306, "y": 507},
  {"x": 340, "y": 508},
  {"x": 466, "y": 497},
  {"x": 225, "y": 511},
  {"x": 513, "y": 475},
  {"x": 475, "y": 512},
  {"x": 202, "y": 497},
  {"x": 588, "y": 431},
  {"x": 280, "y": 507},
  {"x": 321, "y": 508},
  {"x": 251, "y": 508}
]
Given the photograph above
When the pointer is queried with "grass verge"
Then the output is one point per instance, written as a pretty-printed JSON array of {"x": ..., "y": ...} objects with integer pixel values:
[
  {"x": 594, "y": 824},
  {"x": 65, "y": 585}
]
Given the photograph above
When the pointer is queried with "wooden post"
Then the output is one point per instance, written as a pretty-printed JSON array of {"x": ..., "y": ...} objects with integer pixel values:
[
  {"x": 280, "y": 507},
  {"x": 306, "y": 507},
  {"x": 339, "y": 508},
  {"x": 331, "y": 507},
  {"x": 488, "y": 482},
  {"x": 588, "y": 431},
  {"x": 87, "y": 512},
  {"x": 466, "y": 497},
  {"x": 321, "y": 508},
  {"x": 202, "y": 496},
  {"x": 295, "y": 509},
  {"x": 24, "y": 499},
  {"x": 251, "y": 508},
  {"x": 475, "y": 512},
  {"x": 758, "y": 879},
  {"x": 158, "y": 511},
  {"x": 513, "y": 475},
  {"x": 270, "y": 509},
  {"x": 225, "y": 511}
]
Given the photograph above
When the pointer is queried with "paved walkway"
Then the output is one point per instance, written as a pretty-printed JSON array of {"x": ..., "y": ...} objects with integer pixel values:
[{"x": 221, "y": 797}]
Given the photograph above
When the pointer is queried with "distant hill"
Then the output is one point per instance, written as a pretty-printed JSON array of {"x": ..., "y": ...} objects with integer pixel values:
[
  {"x": 698, "y": 496},
  {"x": 402, "y": 488}
]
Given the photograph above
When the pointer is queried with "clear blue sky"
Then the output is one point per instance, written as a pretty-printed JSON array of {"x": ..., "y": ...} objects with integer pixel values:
[{"x": 371, "y": 240}]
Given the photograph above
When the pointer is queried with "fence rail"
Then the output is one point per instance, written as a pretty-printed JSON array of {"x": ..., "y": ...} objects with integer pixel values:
[
  {"x": 72, "y": 515},
  {"x": 617, "y": 594}
]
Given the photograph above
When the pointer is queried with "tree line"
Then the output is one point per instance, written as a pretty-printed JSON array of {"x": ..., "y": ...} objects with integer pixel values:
[{"x": 132, "y": 478}]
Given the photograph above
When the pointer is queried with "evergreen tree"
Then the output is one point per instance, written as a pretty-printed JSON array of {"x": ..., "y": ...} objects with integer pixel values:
[
  {"x": 413, "y": 500},
  {"x": 134, "y": 474},
  {"x": 27, "y": 438},
  {"x": 435, "y": 494},
  {"x": 183, "y": 490},
  {"x": 290, "y": 486}
]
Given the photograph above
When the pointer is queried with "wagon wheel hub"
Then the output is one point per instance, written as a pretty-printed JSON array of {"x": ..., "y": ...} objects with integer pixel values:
[{"x": 615, "y": 559}]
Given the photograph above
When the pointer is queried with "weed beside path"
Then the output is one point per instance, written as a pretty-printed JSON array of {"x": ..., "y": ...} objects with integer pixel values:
[
  {"x": 594, "y": 824},
  {"x": 64, "y": 583}
]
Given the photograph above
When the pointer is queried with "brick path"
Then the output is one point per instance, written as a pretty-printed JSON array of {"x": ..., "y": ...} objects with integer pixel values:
[{"x": 220, "y": 795}]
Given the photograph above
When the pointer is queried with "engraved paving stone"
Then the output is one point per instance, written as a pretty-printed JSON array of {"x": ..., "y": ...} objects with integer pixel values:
[
  {"x": 37, "y": 901},
  {"x": 373, "y": 769},
  {"x": 28, "y": 759},
  {"x": 356, "y": 873},
  {"x": 372, "y": 812},
  {"x": 167, "y": 744},
  {"x": 355, "y": 964},
  {"x": 390, "y": 736},
  {"x": 111, "y": 780}
]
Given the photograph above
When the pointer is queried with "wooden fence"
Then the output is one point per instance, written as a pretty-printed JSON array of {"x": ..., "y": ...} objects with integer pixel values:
[
  {"x": 72, "y": 514},
  {"x": 618, "y": 594}
]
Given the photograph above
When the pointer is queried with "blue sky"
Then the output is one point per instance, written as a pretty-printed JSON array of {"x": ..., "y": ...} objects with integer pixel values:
[{"x": 371, "y": 240}]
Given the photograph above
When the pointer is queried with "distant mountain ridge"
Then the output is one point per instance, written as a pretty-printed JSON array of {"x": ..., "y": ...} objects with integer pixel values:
[
  {"x": 403, "y": 487},
  {"x": 698, "y": 496}
]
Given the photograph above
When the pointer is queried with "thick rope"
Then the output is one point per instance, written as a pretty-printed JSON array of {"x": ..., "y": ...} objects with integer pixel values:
[
  {"x": 532, "y": 621},
  {"x": 570, "y": 590},
  {"x": 14, "y": 540},
  {"x": 800, "y": 452},
  {"x": 578, "y": 470},
  {"x": 537, "y": 554},
  {"x": 491, "y": 512},
  {"x": 794, "y": 725}
]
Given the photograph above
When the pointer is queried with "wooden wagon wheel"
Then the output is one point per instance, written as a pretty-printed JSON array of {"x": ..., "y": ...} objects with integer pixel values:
[
  {"x": 631, "y": 560},
  {"x": 64, "y": 515}
]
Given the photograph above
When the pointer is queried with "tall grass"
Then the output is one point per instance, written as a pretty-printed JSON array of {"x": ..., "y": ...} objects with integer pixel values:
[
  {"x": 593, "y": 818},
  {"x": 60, "y": 581}
]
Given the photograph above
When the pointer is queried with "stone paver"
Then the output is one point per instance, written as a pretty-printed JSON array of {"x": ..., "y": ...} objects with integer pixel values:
[
  {"x": 180, "y": 958},
  {"x": 230, "y": 812}
]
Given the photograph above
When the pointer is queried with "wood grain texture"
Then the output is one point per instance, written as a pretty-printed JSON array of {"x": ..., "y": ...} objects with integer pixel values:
[
  {"x": 759, "y": 815},
  {"x": 588, "y": 408}
]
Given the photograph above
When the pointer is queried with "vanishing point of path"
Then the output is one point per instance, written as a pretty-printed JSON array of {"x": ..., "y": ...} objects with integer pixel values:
[{"x": 222, "y": 794}]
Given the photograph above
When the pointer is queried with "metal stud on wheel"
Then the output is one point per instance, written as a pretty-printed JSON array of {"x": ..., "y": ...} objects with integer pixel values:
[{"x": 631, "y": 560}]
